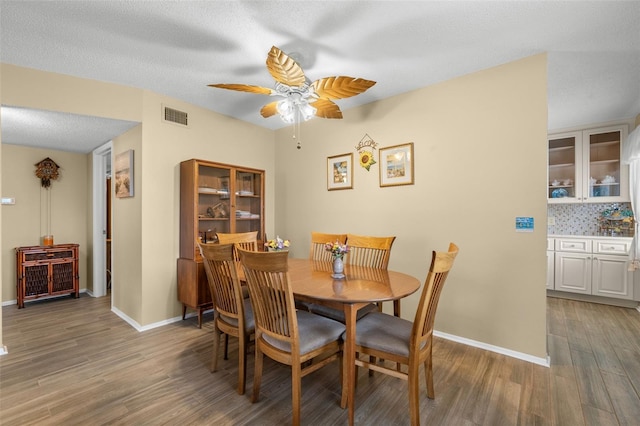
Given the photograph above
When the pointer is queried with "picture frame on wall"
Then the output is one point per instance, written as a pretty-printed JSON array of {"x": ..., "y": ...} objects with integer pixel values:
[
  {"x": 124, "y": 174},
  {"x": 340, "y": 172},
  {"x": 396, "y": 165}
]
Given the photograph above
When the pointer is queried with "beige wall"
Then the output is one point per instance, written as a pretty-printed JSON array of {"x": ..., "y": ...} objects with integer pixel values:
[
  {"x": 24, "y": 223},
  {"x": 145, "y": 227},
  {"x": 480, "y": 161},
  {"x": 480, "y": 156}
]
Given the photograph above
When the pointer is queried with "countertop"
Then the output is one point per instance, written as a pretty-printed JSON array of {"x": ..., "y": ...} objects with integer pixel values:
[{"x": 591, "y": 237}]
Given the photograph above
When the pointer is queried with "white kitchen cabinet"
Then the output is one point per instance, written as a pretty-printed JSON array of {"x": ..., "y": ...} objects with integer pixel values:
[
  {"x": 550, "y": 263},
  {"x": 573, "y": 272},
  {"x": 550, "y": 269},
  {"x": 593, "y": 266},
  {"x": 585, "y": 166}
]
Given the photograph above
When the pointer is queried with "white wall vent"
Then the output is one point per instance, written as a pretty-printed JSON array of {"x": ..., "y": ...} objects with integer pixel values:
[{"x": 174, "y": 116}]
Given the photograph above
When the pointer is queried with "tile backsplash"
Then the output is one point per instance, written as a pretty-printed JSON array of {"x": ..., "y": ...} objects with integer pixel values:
[{"x": 578, "y": 219}]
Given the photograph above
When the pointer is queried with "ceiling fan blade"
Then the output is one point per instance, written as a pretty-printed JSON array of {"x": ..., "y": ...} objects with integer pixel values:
[
  {"x": 326, "y": 109},
  {"x": 269, "y": 109},
  {"x": 244, "y": 88},
  {"x": 340, "y": 87},
  {"x": 284, "y": 69}
]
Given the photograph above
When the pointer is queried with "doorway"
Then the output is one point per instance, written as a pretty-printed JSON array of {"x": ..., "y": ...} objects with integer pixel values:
[{"x": 101, "y": 221}]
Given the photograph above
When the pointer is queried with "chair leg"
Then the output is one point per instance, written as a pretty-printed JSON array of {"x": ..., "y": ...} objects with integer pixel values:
[
  {"x": 257, "y": 374},
  {"x": 216, "y": 345},
  {"x": 242, "y": 363},
  {"x": 428, "y": 372},
  {"x": 226, "y": 347},
  {"x": 372, "y": 360},
  {"x": 414, "y": 392},
  {"x": 296, "y": 384}
]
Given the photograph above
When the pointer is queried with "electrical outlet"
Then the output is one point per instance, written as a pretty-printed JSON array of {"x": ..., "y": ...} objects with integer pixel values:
[{"x": 551, "y": 220}]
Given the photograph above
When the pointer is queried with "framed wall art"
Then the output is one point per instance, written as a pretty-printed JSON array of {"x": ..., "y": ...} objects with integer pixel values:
[
  {"x": 340, "y": 172},
  {"x": 396, "y": 165},
  {"x": 124, "y": 174}
]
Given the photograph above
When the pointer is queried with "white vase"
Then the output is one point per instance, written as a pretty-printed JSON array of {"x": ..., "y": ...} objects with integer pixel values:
[{"x": 338, "y": 267}]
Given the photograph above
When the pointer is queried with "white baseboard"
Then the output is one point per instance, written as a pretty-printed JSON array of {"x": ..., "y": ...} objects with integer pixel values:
[
  {"x": 133, "y": 323},
  {"x": 3, "y": 350},
  {"x": 545, "y": 362}
]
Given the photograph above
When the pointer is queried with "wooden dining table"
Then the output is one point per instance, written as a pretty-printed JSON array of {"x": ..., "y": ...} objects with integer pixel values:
[{"x": 312, "y": 281}]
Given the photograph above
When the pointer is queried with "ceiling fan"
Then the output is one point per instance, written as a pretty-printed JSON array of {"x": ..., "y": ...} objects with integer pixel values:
[{"x": 301, "y": 98}]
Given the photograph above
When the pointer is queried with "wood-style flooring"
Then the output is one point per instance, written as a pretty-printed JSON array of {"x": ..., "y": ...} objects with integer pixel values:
[{"x": 74, "y": 362}]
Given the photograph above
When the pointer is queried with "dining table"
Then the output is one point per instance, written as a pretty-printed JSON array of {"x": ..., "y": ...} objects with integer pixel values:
[{"x": 312, "y": 281}]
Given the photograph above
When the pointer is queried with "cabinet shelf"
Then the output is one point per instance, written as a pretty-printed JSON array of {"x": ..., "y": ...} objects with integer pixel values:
[{"x": 552, "y": 166}]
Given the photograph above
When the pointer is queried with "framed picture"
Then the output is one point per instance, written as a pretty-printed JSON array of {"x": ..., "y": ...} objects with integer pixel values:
[
  {"x": 340, "y": 172},
  {"x": 396, "y": 165},
  {"x": 124, "y": 174}
]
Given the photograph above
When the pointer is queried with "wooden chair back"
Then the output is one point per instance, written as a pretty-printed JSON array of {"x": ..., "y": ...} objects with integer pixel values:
[
  {"x": 441, "y": 264},
  {"x": 220, "y": 266},
  {"x": 373, "y": 252},
  {"x": 267, "y": 277},
  {"x": 318, "y": 240},
  {"x": 245, "y": 240}
]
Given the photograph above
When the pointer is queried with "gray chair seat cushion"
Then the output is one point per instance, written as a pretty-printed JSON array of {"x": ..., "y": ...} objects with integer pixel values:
[
  {"x": 384, "y": 332},
  {"x": 337, "y": 314},
  {"x": 249, "y": 322},
  {"x": 315, "y": 331}
]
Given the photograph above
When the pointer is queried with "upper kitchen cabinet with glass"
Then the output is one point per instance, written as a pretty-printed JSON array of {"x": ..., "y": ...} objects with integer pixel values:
[{"x": 585, "y": 166}]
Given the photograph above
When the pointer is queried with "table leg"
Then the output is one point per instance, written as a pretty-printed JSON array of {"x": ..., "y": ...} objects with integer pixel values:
[{"x": 349, "y": 357}]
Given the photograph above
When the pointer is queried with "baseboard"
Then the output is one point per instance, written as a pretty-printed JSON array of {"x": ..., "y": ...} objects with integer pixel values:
[
  {"x": 140, "y": 328},
  {"x": 545, "y": 362},
  {"x": 3, "y": 350}
]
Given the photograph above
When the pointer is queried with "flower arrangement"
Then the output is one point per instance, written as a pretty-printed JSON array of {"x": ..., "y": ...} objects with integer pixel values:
[
  {"x": 277, "y": 244},
  {"x": 336, "y": 249}
]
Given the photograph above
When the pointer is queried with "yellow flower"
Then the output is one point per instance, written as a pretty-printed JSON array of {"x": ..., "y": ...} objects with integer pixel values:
[{"x": 366, "y": 159}]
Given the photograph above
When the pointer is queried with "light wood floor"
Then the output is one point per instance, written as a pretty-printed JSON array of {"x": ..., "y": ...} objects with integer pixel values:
[{"x": 73, "y": 362}]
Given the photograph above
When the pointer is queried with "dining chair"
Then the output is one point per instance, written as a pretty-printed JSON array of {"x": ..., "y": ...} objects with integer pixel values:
[
  {"x": 373, "y": 252},
  {"x": 233, "y": 314},
  {"x": 246, "y": 240},
  {"x": 284, "y": 335},
  {"x": 318, "y": 241},
  {"x": 397, "y": 340},
  {"x": 369, "y": 251}
]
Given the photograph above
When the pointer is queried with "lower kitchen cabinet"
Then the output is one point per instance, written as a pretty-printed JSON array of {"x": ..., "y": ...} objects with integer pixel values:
[{"x": 597, "y": 267}]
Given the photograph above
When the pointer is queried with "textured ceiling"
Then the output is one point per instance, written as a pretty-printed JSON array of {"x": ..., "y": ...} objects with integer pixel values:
[{"x": 176, "y": 48}]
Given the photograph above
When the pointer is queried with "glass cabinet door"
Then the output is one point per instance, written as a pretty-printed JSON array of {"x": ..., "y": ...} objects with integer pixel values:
[
  {"x": 248, "y": 202},
  {"x": 214, "y": 209},
  {"x": 603, "y": 172},
  {"x": 564, "y": 167}
]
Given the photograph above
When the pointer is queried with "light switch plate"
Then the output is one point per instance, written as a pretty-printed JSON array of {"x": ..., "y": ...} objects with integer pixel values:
[{"x": 551, "y": 220}]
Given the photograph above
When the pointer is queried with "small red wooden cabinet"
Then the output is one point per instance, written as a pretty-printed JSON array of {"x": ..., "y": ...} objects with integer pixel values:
[{"x": 47, "y": 271}]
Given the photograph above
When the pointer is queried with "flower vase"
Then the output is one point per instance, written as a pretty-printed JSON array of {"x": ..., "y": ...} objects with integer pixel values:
[{"x": 338, "y": 267}]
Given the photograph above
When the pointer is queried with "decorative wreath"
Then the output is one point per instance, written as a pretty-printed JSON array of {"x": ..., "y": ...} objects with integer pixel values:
[{"x": 46, "y": 171}]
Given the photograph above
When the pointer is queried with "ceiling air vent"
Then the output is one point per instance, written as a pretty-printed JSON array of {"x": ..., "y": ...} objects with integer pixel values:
[{"x": 174, "y": 116}]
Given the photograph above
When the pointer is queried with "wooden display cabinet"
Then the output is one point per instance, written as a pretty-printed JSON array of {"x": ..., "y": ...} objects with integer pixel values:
[
  {"x": 214, "y": 198},
  {"x": 44, "y": 271}
]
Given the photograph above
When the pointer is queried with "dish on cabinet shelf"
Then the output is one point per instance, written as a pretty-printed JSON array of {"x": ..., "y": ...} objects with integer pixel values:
[
  {"x": 207, "y": 190},
  {"x": 559, "y": 193}
]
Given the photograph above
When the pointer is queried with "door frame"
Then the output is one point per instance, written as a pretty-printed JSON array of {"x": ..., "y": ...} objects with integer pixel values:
[{"x": 100, "y": 157}]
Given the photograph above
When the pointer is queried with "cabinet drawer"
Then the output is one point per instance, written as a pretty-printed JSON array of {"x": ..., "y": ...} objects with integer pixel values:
[
  {"x": 574, "y": 245},
  {"x": 611, "y": 246}
]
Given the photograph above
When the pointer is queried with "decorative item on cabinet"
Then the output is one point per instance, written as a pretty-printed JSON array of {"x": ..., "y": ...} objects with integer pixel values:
[
  {"x": 214, "y": 198},
  {"x": 44, "y": 271}
]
